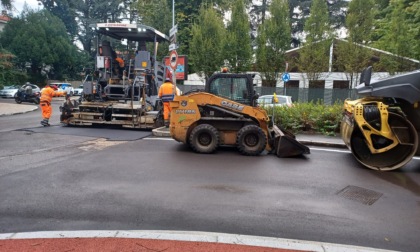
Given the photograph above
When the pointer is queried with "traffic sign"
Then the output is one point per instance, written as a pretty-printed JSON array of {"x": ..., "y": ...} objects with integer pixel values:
[
  {"x": 173, "y": 59},
  {"x": 285, "y": 77},
  {"x": 173, "y": 47}
]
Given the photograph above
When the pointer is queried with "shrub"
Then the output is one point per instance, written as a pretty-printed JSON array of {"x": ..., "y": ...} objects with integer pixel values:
[{"x": 313, "y": 117}]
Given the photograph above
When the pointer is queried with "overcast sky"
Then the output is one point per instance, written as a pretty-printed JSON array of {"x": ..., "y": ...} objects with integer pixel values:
[{"x": 18, "y": 5}]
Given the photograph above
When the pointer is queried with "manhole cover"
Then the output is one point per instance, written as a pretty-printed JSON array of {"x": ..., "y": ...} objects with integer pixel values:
[{"x": 359, "y": 194}]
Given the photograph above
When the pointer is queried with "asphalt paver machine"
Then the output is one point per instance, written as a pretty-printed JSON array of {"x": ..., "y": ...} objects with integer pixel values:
[{"x": 123, "y": 88}]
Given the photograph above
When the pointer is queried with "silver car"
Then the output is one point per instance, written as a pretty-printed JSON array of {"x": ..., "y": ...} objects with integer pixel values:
[{"x": 9, "y": 91}]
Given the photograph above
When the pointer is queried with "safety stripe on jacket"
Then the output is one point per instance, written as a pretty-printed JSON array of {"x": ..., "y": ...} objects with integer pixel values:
[{"x": 166, "y": 98}]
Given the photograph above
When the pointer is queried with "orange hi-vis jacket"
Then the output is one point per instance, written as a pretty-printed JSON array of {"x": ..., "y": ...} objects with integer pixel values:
[
  {"x": 166, "y": 92},
  {"x": 48, "y": 93}
]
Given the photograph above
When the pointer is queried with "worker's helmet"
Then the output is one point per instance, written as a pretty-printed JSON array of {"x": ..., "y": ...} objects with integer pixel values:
[
  {"x": 53, "y": 86},
  {"x": 168, "y": 80},
  {"x": 225, "y": 69}
]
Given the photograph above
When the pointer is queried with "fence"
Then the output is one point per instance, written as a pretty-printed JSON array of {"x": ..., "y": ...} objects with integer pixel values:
[{"x": 328, "y": 96}]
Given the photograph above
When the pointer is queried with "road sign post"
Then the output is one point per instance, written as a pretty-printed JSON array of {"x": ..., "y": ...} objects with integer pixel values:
[{"x": 285, "y": 77}]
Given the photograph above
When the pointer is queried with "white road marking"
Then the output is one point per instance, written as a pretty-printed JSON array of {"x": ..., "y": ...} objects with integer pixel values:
[{"x": 331, "y": 150}]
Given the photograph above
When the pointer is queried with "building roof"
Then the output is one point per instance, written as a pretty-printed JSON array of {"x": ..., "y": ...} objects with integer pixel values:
[{"x": 4, "y": 19}]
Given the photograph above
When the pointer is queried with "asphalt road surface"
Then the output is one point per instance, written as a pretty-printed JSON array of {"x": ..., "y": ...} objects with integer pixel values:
[{"x": 75, "y": 179}]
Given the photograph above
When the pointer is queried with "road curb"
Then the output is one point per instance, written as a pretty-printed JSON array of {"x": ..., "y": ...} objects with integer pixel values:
[
  {"x": 9, "y": 113},
  {"x": 323, "y": 144}
]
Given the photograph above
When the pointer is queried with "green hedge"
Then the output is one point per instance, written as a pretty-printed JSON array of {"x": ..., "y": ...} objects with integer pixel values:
[{"x": 309, "y": 117}]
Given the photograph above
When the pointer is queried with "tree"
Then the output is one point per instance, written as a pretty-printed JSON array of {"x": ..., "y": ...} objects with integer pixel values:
[
  {"x": 65, "y": 10},
  {"x": 8, "y": 73},
  {"x": 186, "y": 15},
  {"x": 300, "y": 11},
  {"x": 156, "y": 14},
  {"x": 78, "y": 15},
  {"x": 314, "y": 56},
  {"x": 7, "y": 4},
  {"x": 238, "y": 51},
  {"x": 40, "y": 42},
  {"x": 397, "y": 31},
  {"x": 397, "y": 36},
  {"x": 274, "y": 41},
  {"x": 206, "y": 55},
  {"x": 352, "y": 56}
]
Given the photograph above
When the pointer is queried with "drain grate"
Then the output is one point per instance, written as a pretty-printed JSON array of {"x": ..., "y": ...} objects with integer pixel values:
[{"x": 359, "y": 194}]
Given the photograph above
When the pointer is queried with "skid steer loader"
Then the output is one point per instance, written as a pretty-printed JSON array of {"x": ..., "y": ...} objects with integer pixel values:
[
  {"x": 226, "y": 113},
  {"x": 382, "y": 128}
]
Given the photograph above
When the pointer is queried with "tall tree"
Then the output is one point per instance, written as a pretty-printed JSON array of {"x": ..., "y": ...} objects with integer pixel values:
[
  {"x": 7, "y": 4},
  {"x": 206, "y": 55},
  {"x": 238, "y": 51},
  {"x": 156, "y": 14},
  {"x": 396, "y": 37},
  {"x": 65, "y": 10},
  {"x": 274, "y": 42},
  {"x": 77, "y": 15},
  {"x": 9, "y": 74},
  {"x": 314, "y": 56},
  {"x": 300, "y": 11},
  {"x": 352, "y": 56},
  {"x": 40, "y": 39}
]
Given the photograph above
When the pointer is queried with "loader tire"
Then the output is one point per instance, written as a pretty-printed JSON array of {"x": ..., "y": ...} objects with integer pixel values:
[
  {"x": 204, "y": 139},
  {"x": 251, "y": 140}
]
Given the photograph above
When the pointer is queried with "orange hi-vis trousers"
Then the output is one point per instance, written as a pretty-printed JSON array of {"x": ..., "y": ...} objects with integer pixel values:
[
  {"x": 166, "y": 111},
  {"x": 46, "y": 110}
]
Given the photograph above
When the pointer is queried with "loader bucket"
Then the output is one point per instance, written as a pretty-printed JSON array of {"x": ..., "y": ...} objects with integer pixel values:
[{"x": 286, "y": 145}]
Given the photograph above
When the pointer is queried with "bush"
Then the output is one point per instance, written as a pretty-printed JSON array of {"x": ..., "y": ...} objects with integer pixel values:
[{"x": 309, "y": 117}]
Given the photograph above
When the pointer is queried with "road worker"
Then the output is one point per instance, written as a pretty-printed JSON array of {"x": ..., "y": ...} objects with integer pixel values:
[
  {"x": 47, "y": 94},
  {"x": 167, "y": 91}
]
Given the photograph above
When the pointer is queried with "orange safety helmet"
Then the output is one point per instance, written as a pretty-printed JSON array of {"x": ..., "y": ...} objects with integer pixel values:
[{"x": 225, "y": 69}]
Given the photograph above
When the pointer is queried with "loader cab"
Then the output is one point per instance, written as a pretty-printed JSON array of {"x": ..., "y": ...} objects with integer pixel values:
[{"x": 235, "y": 87}]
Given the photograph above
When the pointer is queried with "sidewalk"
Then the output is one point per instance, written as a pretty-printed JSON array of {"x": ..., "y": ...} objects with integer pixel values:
[
  {"x": 168, "y": 241},
  {"x": 13, "y": 108}
]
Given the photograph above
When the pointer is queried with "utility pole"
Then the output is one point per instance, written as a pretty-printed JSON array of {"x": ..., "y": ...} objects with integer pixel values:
[{"x": 173, "y": 13}]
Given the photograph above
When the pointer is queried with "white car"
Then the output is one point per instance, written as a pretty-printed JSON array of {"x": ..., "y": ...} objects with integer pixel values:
[
  {"x": 267, "y": 100},
  {"x": 78, "y": 90},
  {"x": 65, "y": 87},
  {"x": 9, "y": 91}
]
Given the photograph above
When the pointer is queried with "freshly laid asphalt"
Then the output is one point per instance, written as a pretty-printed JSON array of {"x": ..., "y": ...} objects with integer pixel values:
[{"x": 150, "y": 240}]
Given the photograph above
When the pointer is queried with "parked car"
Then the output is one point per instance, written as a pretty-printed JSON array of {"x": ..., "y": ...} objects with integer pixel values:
[
  {"x": 9, "y": 91},
  {"x": 267, "y": 100},
  {"x": 78, "y": 90},
  {"x": 65, "y": 87}
]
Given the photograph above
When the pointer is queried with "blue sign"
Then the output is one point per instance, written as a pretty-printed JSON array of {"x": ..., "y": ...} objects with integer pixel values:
[{"x": 285, "y": 77}]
